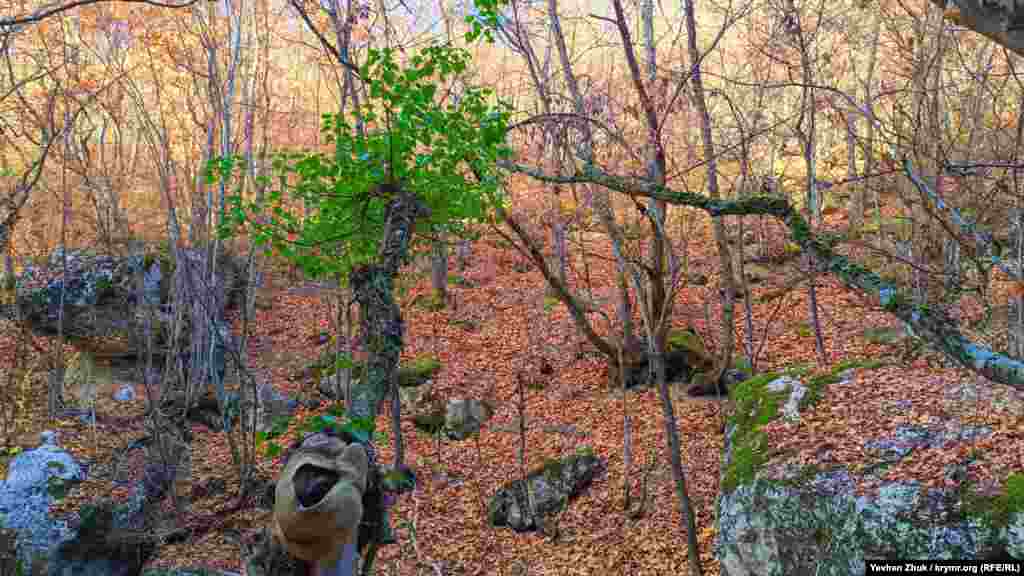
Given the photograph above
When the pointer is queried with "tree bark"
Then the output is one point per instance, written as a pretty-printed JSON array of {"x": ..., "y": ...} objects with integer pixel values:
[{"x": 382, "y": 325}]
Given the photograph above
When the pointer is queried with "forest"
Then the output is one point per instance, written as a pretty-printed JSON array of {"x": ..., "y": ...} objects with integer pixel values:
[{"x": 579, "y": 287}]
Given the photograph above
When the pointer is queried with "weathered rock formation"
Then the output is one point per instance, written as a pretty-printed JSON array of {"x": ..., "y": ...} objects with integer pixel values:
[{"x": 779, "y": 517}]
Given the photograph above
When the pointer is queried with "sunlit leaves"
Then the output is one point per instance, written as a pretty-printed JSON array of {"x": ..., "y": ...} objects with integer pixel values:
[{"x": 440, "y": 145}]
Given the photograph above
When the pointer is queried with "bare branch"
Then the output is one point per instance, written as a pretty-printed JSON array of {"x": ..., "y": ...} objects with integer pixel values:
[{"x": 43, "y": 13}]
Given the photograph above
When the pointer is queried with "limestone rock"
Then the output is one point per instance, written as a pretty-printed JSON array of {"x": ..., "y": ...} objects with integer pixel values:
[
  {"x": 35, "y": 479},
  {"x": 464, "y": 417},
  {"x": 101, "y": 296},
  {"x": 552, "y": 487},
  {"x": 776, "y": 517}
]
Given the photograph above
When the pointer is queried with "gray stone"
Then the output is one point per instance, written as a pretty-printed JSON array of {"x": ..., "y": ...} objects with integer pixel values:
[
  {"x": 785, "y": 522},
  {"x": 552, "y": 487},
  {"x": 795, "y": 391},
  {"x": 151, "y": 281},
  {"x": 1015, "y": 536},
  {"x": 99, "y": 293},
  {"x": 34, "y": 480},
  {"x": 463, "y": 417}
]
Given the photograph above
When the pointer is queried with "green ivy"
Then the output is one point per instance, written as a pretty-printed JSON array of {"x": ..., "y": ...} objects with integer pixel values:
[{"x": 360, "y": 428}]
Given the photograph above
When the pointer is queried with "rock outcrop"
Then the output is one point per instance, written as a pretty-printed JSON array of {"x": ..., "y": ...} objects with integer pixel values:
[
  {"x": 101, "y": 295},
  {"x": 779, "y": 517}
]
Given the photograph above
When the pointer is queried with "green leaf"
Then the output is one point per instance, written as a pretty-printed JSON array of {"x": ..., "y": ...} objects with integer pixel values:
[{"x": 273, "y": 449}]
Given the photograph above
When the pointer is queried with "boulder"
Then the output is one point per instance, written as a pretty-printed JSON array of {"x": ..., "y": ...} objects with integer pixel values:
[
  {"x": 552, "y": 486},
  {"x": 411, "y": 374},
  {"x": 685, "y": 355},
  {"x": 464, "y": 417},
  {"x": 101, "y": 297},
  {"x": 100, "y": 539},
  {"x": 35, "y": 479},
  {"x": 777, "y": 516}
]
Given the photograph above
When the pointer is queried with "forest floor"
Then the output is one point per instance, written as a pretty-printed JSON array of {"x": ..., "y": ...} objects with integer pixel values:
[{"x": 497, "y": 324}]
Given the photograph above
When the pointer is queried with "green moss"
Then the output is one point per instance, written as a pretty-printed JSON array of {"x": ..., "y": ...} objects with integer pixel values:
[
  {"x": 433, "y": 302},
  {"x": 418, "y": 370},
  {"x": 884, "y": 334},
  {"x": 403, "y": 283},
  {"x": 552, "y": 468},
  {"x": 633, "y": 229},
  {"x": 326, "y": 365},
  {"x": 862, "y": 364},
  {"x": 467, "y": 324},
  {"x": 689, "y": 342},
  {"x": 57, "y": 487},
  {"x": 104, "y": 289},
  {"x": 742, "y": 363},
  {"x": 996, "y": 511},
  {"x": 816, "y": 385},
  {"x": 799, "y": 370},
  {"x": 803, "y": 330},
  {"x": 431, "y": 422},
  {"x": 458, "y": 280},
  {"x": 747, "y": 459},
  {"x": 823, "y": 535},
  {"x": 683, "y": 340},
  {"x": 550, "y": 302},
  {"x": 755, "y": 406},
  {"x": 411, "y": 373}
]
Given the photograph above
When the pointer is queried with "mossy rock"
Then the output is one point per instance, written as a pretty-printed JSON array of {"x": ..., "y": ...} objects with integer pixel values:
[
  {"x": 697, "y": 356},
  {"x": 897, "y": 224},
  {"x": 433, "y": 302},
  {"x": 411, "y": 373},
  {"x": 756, "y": 406},
  {"x": 325, "y": 366},
  {"x": 803, "y": 330},
  {"x": 430, "y": 422},
  {"x": 418, "y": 370},
  {"x": 816, "y": 384},
  {"x": 550, "y": 303}
]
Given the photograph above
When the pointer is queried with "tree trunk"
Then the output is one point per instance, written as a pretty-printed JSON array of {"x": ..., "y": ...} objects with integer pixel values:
[
  {"x": 856, "y": 205},
  {"x": 382, "y": 326},
  {"x": 439, "y": 270}
]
